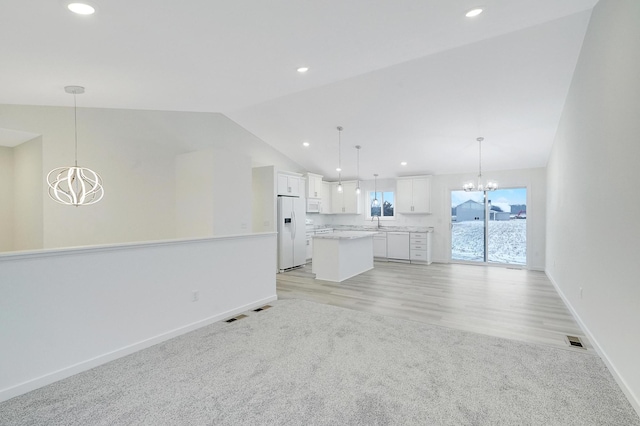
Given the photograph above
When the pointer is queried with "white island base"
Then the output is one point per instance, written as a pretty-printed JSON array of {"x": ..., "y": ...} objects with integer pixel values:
[{"x": 342, "y": 255}]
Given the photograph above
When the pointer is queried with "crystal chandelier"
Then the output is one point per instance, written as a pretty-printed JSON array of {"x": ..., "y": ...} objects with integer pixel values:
[
  {"x": 480, "y": 186},
  {"x": 75, "y": 186}
]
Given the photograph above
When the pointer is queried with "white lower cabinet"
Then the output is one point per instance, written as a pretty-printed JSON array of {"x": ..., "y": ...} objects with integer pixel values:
[
  {"x": 309, "y": 245},
  {"x": 380, "y": 245},
  {"x": 398, "y": 247},
  {"x": 420, "y": 247},
  {"x": 414, "y": 247}
]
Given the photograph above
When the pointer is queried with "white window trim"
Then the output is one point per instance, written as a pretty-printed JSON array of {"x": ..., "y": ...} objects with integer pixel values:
[{"x": 368, "y": 206}]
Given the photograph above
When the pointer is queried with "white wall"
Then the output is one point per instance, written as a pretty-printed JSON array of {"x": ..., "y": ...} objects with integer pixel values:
[
  {"x": 264, "y": 199},
  {"x": 6, "y": 198},
  {"x": 88, "y": 312},
  {"x": 230, "y": 135},
  {"x": 194, "y": 194},
  {"x": 232, "y": 192},
  {"x": 126, "y": 150},
  {"x": 441, "y": 186},
  {"x": 213, "y": 193},
  {"x": 21, "y": 184},
  {"x": 135, "y": 153},
  {"x": 593, "y": 227},
  {"x": 138, "y": 177},
  {"x": 27, "y": 198}
]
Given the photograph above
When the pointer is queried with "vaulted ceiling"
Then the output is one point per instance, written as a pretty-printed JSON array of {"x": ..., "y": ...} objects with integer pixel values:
[{"x": 409, "y": 80}]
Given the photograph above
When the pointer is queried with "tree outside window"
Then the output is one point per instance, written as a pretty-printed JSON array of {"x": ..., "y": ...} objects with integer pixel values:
[{"x": 386, "y": 208}]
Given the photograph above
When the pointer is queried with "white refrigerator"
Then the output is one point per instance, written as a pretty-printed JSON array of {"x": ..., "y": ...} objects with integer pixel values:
[{"x": 292, "y": 243}]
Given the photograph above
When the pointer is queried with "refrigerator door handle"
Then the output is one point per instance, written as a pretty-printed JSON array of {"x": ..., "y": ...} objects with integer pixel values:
[{"x": 293, "y": 220}]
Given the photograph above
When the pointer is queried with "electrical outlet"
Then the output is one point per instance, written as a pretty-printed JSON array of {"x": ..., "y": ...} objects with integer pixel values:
[{"x": 195, "y": 296}]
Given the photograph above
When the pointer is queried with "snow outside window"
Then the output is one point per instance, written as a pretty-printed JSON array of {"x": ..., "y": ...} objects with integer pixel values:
[{"x": 386, "y": 209}]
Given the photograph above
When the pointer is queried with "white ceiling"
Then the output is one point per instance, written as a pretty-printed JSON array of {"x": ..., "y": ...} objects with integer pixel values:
[{"x": 410, "y": 80}]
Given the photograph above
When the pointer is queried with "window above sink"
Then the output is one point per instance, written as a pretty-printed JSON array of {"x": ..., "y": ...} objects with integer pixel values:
[{"x": 386, "y": 210}]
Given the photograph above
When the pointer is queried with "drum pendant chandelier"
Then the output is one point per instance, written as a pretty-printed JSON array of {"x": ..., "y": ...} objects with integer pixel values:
[{"x": 75, "y": 186}]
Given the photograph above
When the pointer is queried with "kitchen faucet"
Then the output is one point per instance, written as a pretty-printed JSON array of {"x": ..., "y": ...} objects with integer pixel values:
[{"x": 378, "y": 220}]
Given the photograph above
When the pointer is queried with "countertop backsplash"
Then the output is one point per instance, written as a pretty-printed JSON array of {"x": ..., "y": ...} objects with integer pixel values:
[
  {"x": 407, "y": 223},
  {"x": 383, "y": 228}
]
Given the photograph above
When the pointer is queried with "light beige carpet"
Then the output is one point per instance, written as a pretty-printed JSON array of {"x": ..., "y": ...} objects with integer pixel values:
[{"x": 305, "y": 363}]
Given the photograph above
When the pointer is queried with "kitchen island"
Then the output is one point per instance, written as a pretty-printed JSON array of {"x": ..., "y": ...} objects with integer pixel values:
[{"x": 342, "y": 255}]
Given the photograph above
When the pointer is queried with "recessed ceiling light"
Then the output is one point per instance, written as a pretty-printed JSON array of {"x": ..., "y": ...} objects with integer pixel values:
[
  {"x": 338, "y": 169},
  {"x": 305, "y": 144},
  {"x": 473, "y": 12},
  {"x": 302, "y": 70},
  {"x": 404, "y": 163},
  {"x": 81, "y": 8}
]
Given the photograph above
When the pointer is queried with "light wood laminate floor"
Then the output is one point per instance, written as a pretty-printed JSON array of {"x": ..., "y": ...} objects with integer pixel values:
[{"x": 510, "y": 303}]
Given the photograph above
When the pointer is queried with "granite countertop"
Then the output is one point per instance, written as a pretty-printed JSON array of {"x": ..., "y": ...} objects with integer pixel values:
[
  {"x": 345, "y": 235},
  {"x": 373, "y": 228}
]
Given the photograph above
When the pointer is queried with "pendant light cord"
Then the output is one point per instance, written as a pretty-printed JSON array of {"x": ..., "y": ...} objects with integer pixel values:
[
  {"x": 75, "y": 124},
  {"x": 375, "y": 202},
  {"x": 339, "y": 148},
  {"x": 339, "y": 155},
  {"x": 375, "y": 187},
  {"x": 480, "y": 139},
  {"x": 479, "y": 159}
]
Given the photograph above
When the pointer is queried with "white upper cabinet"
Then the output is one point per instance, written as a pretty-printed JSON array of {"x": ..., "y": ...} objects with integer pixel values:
[
  {"x": 326, "y": 200},
  {"x": 413, "y": 194},
  {"x": 347, "y": 201},
  {"x": 290, "y": 184},
  {"x": 314, "y": 186},
  {"x": 350, "y": 198}
]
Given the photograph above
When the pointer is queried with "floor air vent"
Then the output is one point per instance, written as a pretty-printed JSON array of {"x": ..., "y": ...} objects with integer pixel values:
[
  {"x": 239, "y": 317},
  {"x": 262, "y": 308},
  {"x": 575, "y": 341}
]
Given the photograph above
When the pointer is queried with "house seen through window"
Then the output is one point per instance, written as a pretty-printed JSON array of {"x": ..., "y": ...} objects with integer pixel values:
[{"x": 386, "y": 208}]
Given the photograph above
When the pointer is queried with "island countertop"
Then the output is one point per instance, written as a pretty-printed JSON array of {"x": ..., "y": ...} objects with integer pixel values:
[{"x": 345, "y": 235}]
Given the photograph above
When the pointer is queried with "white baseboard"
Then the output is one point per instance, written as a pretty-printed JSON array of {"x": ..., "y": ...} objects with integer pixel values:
[
  {"x": 54, "y": 376},
  {"x": 633, "y": 399}
]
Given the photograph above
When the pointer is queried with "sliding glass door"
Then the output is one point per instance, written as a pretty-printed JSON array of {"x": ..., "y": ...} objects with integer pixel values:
[
  {"x": 467, "y": 226},
  {"x": 507, "y": 226},
  {"x": 489, "y": 227}
]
